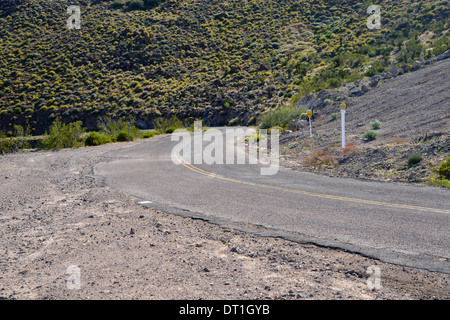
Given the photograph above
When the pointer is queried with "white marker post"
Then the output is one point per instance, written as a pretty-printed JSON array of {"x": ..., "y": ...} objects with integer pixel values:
[
  {"x": 342, "y": 107},
  {"x": 309, "y": 114}
]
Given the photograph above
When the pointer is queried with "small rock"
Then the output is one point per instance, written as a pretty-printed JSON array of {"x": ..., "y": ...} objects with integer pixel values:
[
  {"x": 132, "y": 231},
  {"x": 373, "y": 83},
  {"x": 356, "y": 91},
  {"x": 387, "y": 75},
  {"x": 394, "y": 71},
  {"x": 416, "y": 64}
]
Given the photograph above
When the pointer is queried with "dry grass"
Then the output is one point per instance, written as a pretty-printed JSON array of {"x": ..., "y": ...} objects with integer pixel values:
[
  {"x": 321, "y": 157},
  {"x": 349, "y": 148}
]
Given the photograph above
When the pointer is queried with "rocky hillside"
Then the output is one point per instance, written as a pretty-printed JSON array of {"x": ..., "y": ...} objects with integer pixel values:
[
  {"x": 225, "y": 62},
  {"x": 408, "y": 112}
]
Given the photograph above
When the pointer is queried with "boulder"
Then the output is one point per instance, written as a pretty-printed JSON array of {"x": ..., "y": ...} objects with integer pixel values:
[
  {"x": 373, "y": 83},
  {"x": 387, "y": 75},
  {"x": 365, "y": 88},
  {"x": 417, "y": 64},
  {"x": 314, "y": 100},
  {"x": 375, "y": 78},
  {"x": 356, "y": 91},
  {"x": 394, "y": 71}
]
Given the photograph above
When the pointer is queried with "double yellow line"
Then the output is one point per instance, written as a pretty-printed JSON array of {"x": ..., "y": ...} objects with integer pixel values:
[{"x": 312, "y": 194}]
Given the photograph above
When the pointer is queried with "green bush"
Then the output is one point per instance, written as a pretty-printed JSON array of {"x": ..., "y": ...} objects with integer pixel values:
[
  {"x": 168, "y": 125},
  {"x": 136, "y": 5},
  {"x": 444, "y": 169},
  {"x": 96, "y": 139},
  {"x": 334, "y": 116},
  {"x": 370, "y": 135},
  {"x": 117, "y": 4},
  {"x": 414, "y": 159},
  {"x": 63, "y": 135},
  {"x": 149, "y": 134},
  {"x": 6, "y": 144},
  {"x": 234, "y": 122},
  {"x": 438, "y": 182},
  {"x": 112, "y": 127},
  {"x": 281, "y": 116},
  {"x": 123, "y": 136},
  {"x": 376, "y": 124},
  {"x": 171, "y": 129}
]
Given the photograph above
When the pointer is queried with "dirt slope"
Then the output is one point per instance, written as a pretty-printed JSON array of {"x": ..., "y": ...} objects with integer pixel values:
[{"x": 415, "y": 113}]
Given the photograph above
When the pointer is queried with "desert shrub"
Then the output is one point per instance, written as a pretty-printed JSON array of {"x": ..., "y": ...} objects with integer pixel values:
[
  {"x": 414, "y": 159},
  {"x": 117, "y": 4},
  {"x": 123, "y": 136},
  {"x": 168, "y": 125},
  {"x": 112, "y": 127},
  {"x": 376, "y": 124},
  {"x": 370, "y": 135},
  {"x": 234, "y": 122},
  {"x": 15, "y": 140},
  {"x": 444, "y": 169},
  {"x": 136, "y": 5},
  {"x": 349, "y": 148},
  {"x": 96, "y": 139},
  {"x": 441, "y": 45},
  {"x": 334, "y": 115},
  {"x": 438, "y": 182},
  {"x": 63, "y": 135},
  {"x": 149, "y": 134},
  {"x": 6, "y": 144},
  {"x": 281, "y": 116},
  {"x": 320, "y": 157},
  {"x": 333, "y": 83}
]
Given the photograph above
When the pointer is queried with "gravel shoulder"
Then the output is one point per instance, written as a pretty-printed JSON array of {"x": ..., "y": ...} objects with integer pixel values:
[{"x": 55, "y": 214}]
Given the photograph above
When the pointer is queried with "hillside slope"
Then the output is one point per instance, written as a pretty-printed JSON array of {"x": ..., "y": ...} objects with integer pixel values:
[
  {"x": 219, "y": 61},
  {"x": 414, "y": 113}
]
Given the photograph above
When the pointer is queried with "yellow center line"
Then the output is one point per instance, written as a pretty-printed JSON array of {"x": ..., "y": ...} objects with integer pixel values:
[{"x": 308, "y": 193}]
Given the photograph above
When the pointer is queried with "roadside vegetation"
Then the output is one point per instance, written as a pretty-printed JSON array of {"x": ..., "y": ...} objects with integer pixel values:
[
  {"x": 442, "y": 179},
  {"x": 281, "y": 116}
]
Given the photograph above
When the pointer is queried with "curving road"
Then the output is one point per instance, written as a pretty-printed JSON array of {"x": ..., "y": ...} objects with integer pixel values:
[{"x": 396, "y": 223}]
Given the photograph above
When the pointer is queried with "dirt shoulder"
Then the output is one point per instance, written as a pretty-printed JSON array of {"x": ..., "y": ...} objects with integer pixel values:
[{"x": 54, "y": 214}]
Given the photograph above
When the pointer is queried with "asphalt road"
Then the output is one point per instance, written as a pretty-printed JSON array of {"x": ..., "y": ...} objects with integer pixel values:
[{"x": 396, "y": 223}]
